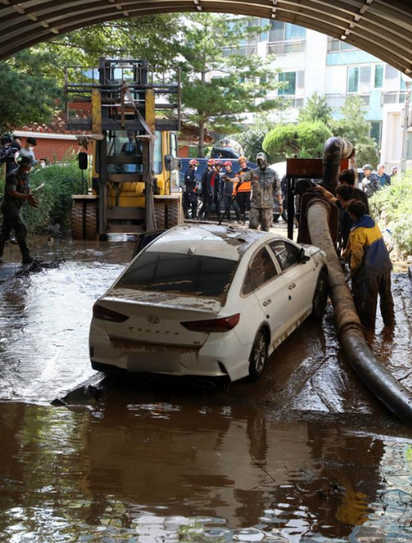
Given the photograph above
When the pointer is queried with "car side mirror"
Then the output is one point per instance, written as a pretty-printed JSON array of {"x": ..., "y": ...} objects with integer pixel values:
[
  {"x": 171, "y": 163},
  {"x": 303, "y": 258}
]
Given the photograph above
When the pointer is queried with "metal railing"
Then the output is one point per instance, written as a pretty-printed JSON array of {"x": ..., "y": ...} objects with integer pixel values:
[
  {"x": 242, "y": 50},
  {"x": 286, "y": 47},
  {"x": 291, "y": 101},
  {"x": 335, "y": 45},
  {"x": 336, "y": 101},
  {"x": 393, "y": 97}
]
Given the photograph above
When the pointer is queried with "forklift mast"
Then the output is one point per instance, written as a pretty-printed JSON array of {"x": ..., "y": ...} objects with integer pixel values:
[{"x": 123, "y": 100}]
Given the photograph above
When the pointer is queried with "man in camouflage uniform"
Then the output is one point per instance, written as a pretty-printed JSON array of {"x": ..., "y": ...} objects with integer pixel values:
[{"x": 265, "y": 187}]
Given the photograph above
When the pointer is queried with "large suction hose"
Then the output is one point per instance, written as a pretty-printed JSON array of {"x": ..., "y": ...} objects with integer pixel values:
[
  {"x": 335, "y": 149},
  {"x": 379, "y": 381}
]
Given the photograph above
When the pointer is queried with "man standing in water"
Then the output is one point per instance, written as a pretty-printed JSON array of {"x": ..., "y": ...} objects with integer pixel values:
[
  {"x": 17, "y": 191},
  {"x": 370, "y": 268}
]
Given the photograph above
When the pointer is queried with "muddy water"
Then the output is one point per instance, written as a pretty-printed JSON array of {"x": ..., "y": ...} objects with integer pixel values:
[{"x": 306, "y": 454}]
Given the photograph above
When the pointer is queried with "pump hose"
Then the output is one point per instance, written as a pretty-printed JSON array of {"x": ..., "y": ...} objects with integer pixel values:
[{"x": 380, "y": 382}]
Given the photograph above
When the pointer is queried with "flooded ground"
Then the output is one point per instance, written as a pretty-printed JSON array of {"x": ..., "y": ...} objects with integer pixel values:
[{"x": 306, "y": 454}]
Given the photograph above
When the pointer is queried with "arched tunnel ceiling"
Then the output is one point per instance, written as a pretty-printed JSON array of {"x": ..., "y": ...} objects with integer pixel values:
[{"x": 380, "y": 27}]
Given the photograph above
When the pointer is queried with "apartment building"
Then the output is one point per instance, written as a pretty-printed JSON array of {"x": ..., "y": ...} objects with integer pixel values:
[{"x": 313, "y": 62}]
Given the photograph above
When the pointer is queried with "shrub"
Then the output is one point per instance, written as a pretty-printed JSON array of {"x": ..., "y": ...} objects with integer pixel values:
[
  {"x": 305, "y": 140},
  {"x": 391, "y": 207}
]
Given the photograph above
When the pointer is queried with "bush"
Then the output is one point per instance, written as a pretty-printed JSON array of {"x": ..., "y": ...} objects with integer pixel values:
[
  {"x": 55, "y": 198},
  {"x": 391, "y": 207},
  {"x": 304, "y": 140}
]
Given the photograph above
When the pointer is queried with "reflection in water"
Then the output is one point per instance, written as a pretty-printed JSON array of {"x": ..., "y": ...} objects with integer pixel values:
[
  {"x": 305, "y": 454},
  {"x": 171, "y": 471}
]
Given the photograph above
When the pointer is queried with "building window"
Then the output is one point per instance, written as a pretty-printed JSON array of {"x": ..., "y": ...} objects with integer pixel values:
[
  {"x": 378, "y": 83},
  {"x": 363, "y": 78},
  {"x": 289, "y": 80},
  {"x": 353, "y": 79},
  {"x": 375, "y": 132},
  {"x": 280, "y": 31},
  {"x": 294, "y": 83}
]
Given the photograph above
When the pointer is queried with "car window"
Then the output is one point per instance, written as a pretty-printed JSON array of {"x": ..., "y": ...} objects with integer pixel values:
[
  {"x": 181, "y": 273},
  {"x": 286, "y": 254},
  {"x": 261, "y": 270}
]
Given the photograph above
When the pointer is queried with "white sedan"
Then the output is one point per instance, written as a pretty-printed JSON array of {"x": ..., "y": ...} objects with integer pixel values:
[{"x": 207, "y": 301}]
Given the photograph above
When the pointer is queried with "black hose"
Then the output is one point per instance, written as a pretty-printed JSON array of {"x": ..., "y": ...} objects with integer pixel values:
[{"x": 380, "y": 382}]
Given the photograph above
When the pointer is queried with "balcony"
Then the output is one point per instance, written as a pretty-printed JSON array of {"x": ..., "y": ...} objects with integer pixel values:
[
  {"x": 335, "y": 46},
  {"x": 290, "y": 100},
  {"x": 243, "y": 50},
  {"x": 393, "y": 97},
  {"x": 286, "y": 47},
  {"x": 336, "y": 101}
]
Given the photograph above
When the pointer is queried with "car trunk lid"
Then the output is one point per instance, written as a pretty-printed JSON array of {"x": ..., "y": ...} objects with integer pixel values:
[{"x": 156, "y": 318}]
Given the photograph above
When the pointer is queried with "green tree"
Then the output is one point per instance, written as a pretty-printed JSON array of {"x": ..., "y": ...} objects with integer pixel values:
[
  {"x": 28, "y": 94},
  {"x": 154, "y": 38},
  {"x": 352, "y": 125},
  {"x": 240, "y": 83},
  {"x": 305, "y": 140},
  {"x": 316, "y": 109}
]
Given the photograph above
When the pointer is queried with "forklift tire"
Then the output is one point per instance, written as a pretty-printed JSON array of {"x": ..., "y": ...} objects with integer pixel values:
[
  {"x": 173, "y": 213},
  {"x": 77, "y": 220},
  {"x": 159, "y": 211},
  {"x": 91, "y": 221}
]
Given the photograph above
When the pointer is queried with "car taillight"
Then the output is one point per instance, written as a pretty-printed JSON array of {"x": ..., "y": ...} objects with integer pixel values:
[
  {"x": 213, "y": 325},
  {"x": 105, "y": 314}
]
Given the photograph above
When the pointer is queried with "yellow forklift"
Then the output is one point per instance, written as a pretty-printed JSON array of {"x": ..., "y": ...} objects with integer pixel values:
[{"x": 127, "y": 117}]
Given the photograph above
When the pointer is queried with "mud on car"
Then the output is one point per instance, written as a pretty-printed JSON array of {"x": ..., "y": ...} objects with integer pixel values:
[{"x": 207, "y": 301}]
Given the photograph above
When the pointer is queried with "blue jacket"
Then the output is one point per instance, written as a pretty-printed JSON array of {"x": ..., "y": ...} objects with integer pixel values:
[{"x": 369, "y": 255}]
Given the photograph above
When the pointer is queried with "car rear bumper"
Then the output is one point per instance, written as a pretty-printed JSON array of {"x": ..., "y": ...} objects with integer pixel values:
[{"x": 222, "y": 355}]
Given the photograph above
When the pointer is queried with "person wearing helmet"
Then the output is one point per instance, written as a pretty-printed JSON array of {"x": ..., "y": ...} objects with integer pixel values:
[
  {"x": 17, "y": 191},
  {"x": 215, "y": 182},
  {"x": 243, "y": 190},
  {"x": 207, "y": 191},
  {"x": 265, "y": 184},
  {"x": 189, "y": 195},
  {"x": 229, "y": 191}
]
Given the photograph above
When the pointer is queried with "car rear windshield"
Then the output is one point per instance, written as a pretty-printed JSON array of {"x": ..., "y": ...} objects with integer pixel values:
[{"x": 181, "y": 273}]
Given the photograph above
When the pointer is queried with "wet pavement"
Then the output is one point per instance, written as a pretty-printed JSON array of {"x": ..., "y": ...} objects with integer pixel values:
[{"x": 305, "y": 454}]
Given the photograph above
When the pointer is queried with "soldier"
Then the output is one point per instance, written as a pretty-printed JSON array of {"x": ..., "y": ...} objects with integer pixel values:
[
  {"x": 265, "y": 187},
  {"x": 17, "y": 191}
]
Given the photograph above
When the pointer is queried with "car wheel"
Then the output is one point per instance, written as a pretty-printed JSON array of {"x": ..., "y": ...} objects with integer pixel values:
[
  {"x": 258, "y": 356},
  {"x": 321, "y": 295}
]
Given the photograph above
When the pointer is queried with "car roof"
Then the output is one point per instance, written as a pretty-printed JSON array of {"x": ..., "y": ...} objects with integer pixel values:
[{"x": 216, "y": 241}]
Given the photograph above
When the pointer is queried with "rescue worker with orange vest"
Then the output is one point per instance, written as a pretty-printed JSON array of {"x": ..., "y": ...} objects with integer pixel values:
[
  {"x": 229, "y": 191},
  {"x": 189, "y": 195},
  {"x": 243, "y": 190},
  {"x": 213, "y": 187}
]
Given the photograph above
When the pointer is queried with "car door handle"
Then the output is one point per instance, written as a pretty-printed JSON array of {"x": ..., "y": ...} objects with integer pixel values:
[
  {"x": 292, "y": 286},
  {"x": 267, "y": 302}
]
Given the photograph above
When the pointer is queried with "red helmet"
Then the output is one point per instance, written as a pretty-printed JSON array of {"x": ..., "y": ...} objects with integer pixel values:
[
  {"x": 242, "y": 159},
  {"x": 227, "y": 163},
  {"x": 211, "y": 162},
  {"x": 193, "y": 163}
]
